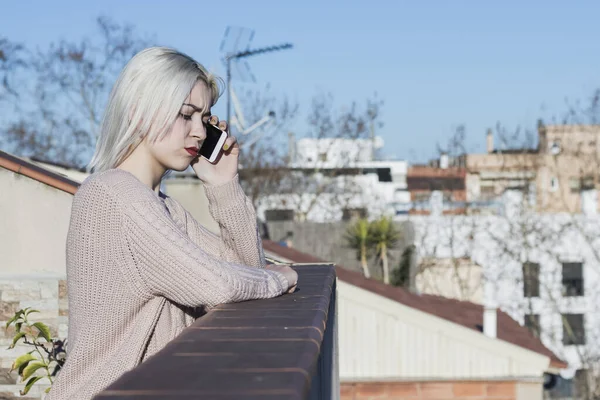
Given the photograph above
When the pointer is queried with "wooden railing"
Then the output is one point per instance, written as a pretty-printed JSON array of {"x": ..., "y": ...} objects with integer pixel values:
[{"x": 281, "y": 348}]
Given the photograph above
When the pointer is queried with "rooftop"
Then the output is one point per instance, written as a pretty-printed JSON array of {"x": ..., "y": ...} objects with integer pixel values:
[
  {"x": 425, "y": 171},
  {"x": 35, "y": 172},
  {"x": 463, "y": 313}
]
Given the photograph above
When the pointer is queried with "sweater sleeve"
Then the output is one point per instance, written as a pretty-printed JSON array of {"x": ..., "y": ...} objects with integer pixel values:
[
  {"x": 236, "y": 217},
  {"x": 239, "y": 240},
  {"x": 169, "y": 264}
]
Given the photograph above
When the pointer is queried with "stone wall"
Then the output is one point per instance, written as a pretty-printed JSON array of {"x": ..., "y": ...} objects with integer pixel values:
[
  {"x": 442, "y": 390},
  {"x": 47, "y": 294}
]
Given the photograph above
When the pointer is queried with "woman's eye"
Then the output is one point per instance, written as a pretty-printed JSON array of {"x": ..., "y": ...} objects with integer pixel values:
[{"x": 185, "y": 117}]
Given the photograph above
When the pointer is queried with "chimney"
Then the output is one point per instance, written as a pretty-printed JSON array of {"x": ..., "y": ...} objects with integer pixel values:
[
  {"x": 291, "y": 148},
  {"x": 490, "y": 141},
  {"x": 490, "y": 310},
  {"x": 490, "y": 321},
  {"x": 444, "y": 161}
]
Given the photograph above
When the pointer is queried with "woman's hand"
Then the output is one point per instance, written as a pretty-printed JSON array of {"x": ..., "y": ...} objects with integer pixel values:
[
  {"x": 288, "y": 272},
  {"x": 226, "y": 166}
]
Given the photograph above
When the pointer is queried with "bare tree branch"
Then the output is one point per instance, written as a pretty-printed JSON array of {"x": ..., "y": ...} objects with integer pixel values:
[{"x": 59, "y": 115}]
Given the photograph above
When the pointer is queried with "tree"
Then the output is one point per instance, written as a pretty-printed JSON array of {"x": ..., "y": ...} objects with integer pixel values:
[
  {"x": 12, "y": 61},
  {"x": 48, "y": 355},
  {"x": 318, "y": 188},
  {"x": 358, "y": 237},
  {"x": 384, "y": 237},
  {"x": 58, "y": 112},
  {"x": 401, "y": 276},
  {"x": 265, "y": 156}
]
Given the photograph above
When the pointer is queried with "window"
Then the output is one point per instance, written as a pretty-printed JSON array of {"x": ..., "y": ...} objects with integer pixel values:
[
  {"x": 587, "y": 183},
  {"x": 384, "y": 174},
  {"x": 555, "y": 147},
  {"x": 572, "y": 279},
  {"x": 279, "y": 215},
  {"x": 532, "y": 322},
  {"x": 531, "y": 279},
  {"x": 323, "y": 157},
  {"x": 553, "y": 184},
  {"x": 349, "y": 214},
  {"x": 574, "y": 185},
  {"x": 557, "y": 387},
  {"x": 578, "y": 184},
  {"x": 573, "y": 329}
]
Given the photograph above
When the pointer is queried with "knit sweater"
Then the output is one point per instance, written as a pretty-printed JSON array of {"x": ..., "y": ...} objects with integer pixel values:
[{"x": 140, "y": 268}]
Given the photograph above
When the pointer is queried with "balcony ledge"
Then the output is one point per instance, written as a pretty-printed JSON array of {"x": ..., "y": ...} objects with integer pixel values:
[{"x": 281, "y": 348}]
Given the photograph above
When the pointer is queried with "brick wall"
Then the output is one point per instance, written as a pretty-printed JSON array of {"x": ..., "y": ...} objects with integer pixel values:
[
  {"x": 447, "y": 390},
  {"x": 49, "y": 296}
]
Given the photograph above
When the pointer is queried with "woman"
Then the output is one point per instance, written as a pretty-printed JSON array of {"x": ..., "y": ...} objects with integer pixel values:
[{"x": 139, "y": 267}]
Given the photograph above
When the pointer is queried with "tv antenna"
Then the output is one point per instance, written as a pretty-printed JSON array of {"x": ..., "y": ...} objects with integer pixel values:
[{"x": 236, "y": 46}]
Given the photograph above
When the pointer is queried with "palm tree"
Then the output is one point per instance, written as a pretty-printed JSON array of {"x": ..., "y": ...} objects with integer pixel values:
[
  {"x": 384, "y": 236},
  {"x": 357, "y": 237}
]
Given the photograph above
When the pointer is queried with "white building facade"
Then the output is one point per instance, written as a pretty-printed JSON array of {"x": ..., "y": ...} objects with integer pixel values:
[
  {"x": 543, "y": 270},
  {"x": 343, "y": 180}
]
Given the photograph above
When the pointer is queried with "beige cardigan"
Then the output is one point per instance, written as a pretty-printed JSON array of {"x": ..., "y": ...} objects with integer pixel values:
[{"x": 139, "y": 267}]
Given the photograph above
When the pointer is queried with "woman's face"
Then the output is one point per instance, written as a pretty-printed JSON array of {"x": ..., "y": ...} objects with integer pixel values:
[{"x": 180, "y": 146}]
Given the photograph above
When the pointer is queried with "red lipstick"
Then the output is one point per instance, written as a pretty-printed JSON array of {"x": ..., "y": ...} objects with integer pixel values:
[{"x": 192, "y": 150}]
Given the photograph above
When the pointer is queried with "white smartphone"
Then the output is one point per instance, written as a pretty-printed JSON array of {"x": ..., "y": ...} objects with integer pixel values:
[{"x": 212, "y": 145}]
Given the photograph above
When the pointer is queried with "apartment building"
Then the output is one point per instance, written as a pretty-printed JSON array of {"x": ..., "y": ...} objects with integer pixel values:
[
  {"x": 437, "y": 187},
  {"x": 560, "y": 174},
  {"x": 342, "y": 179},
  {"x": 541, "y": 269}
]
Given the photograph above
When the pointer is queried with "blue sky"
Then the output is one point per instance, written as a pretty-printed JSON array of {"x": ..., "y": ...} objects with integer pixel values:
[{"x": 436, "y": 64}]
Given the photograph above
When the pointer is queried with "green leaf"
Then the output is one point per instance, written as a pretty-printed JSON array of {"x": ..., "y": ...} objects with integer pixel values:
[
  {"x": 22, "y": 360},
  {"x": 30, "y": 384},
  {"x": 44, "y": 331},
  {"x": 14, "y": 318},
  {"x": 31, "y": 368},
  {"x": 48, "y": 390},
  {"x": 22, "y": 367},
  {"x": 18, "y": 326},
  {"x": 17, "y": 337},
  {"x": 30, "y": 312}
]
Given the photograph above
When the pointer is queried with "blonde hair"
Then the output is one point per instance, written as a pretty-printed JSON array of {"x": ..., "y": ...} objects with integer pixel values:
[{"x": 145, "y": 102}]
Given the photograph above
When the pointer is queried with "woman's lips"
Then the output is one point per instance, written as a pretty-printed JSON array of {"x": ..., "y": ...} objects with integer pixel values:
[{"x": 192, "y": 150}]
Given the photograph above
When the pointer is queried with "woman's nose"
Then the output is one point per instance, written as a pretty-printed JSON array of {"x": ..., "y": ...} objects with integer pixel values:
[{"x": 198, "y": 128}]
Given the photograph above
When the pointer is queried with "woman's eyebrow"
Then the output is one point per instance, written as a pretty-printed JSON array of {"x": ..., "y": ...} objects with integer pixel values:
[{"x": 200, "y": 110}]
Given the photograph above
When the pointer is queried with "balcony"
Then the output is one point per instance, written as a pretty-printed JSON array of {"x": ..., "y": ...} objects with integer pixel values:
[{"x": 281, "y": 348}]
